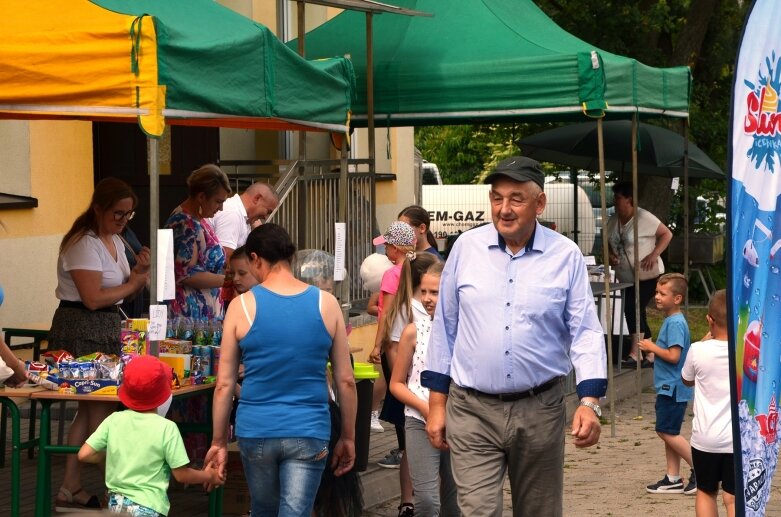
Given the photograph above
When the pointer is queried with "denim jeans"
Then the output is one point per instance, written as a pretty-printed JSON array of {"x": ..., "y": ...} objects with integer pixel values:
[
  {"x": 283, "y": 474},
  {"x": 432, "y": 478}
]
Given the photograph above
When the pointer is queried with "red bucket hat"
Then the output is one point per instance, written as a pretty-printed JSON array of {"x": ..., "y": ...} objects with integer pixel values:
[{"x": 146, "y": 383}]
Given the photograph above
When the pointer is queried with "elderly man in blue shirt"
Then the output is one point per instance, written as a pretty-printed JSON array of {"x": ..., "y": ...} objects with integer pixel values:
[{"x": 515, "y": 314}]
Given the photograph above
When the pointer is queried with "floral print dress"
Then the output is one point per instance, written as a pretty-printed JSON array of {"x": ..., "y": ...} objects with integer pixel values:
[{"x": 193, "y": 236}]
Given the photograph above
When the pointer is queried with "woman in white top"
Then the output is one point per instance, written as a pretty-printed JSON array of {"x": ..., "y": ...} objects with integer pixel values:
[
  {"x": 653, "y": 239},
  {"x": 93, "y": 277},
  {"x": 432, "y": 479}
]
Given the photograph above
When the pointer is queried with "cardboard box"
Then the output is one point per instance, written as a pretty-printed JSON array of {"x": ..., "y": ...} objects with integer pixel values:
[
  {"x": 235, "y": 498},
  {"x": 179, "y": 362},
  {"x": 86, "y": 386},
  {"x": 175, "y": 346}
]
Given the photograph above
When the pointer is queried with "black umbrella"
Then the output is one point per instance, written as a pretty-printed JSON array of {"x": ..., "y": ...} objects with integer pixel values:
[{"x": 659, "y": 153}]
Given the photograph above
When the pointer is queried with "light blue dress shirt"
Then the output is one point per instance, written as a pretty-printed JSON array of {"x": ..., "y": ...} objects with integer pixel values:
[{"x": 507, "y": 323}]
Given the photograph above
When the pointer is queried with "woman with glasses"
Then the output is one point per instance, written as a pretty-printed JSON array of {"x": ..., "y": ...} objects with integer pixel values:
[
  {"x": 199, "y": 261},
  {"x": 93, "y": 278}
]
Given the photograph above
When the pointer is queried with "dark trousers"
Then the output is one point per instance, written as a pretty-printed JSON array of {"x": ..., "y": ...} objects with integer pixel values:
[{"x": 647, "y": 291}]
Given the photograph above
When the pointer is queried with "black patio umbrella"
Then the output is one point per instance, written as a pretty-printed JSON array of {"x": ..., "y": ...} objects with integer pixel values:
[{"x": 659, "y": 153}]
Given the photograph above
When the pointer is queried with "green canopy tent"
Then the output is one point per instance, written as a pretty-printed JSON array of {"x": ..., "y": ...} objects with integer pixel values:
[
  {"x": 492, "y": 60},
  {"x": 496, "y": 61},
  {"x": 186, "y": 62}
]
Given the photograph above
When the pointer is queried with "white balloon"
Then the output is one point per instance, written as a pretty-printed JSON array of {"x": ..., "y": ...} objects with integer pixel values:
[{"x": 372, "y": 269}]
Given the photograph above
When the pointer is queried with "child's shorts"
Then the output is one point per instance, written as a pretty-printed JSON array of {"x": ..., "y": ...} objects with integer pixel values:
[
  {"x": 713, "y": 468},
  {"x": 669, "y": 415},
  {"x": 118, "y": 503}
]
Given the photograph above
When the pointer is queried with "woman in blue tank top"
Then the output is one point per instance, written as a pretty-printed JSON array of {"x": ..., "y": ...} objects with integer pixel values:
[{"x": 284, "y": 331}]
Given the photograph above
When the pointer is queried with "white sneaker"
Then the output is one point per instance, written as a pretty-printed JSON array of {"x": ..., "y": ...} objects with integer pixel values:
[{"x": 376, "y": 426}]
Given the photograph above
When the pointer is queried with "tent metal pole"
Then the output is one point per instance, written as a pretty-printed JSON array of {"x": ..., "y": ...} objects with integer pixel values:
[
  {"x": 154, "y": 216},
  {"x": 370, "y": 89},
  {"x": 573, "y": 176},
  {"x": 685, "y": 124},
  {"x": 344, "y": 190},
  {"x": 154, "y": 221},
  {"x": 636, "y": 269},
  {"x": 606, "y": 261},
  {"x": 301, "y": 52}
]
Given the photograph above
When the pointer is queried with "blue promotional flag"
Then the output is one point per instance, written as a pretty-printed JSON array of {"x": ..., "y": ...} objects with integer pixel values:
[{"x": 755, "y": 256}]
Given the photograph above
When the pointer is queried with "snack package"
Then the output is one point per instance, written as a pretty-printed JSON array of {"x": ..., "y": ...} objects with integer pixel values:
[
  {"x": 56, "y": 356},
  {"x": 134, "y": 342}
]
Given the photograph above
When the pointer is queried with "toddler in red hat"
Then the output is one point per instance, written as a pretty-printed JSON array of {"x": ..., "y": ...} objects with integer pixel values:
[{"x": 141, "y": 446}]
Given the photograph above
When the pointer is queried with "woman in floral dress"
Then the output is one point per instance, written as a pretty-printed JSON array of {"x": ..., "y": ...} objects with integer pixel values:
[{"x": 199, "y": 262}]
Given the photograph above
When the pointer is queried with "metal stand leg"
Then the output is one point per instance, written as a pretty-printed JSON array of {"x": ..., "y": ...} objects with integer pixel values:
[
  {"x": 3, "y": 434},
  {"x": 16, "y": 467},
  {"x": 43, "y": 491}
]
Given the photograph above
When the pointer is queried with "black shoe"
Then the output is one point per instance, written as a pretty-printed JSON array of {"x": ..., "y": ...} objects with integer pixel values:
[
  {"x": 665, "y": 486},
  {"x": 406, "y": 510},
  {"x": 691, "y": 486},
  {"x": 647, "y": 364},
  {"x": 629, "y": 362}
]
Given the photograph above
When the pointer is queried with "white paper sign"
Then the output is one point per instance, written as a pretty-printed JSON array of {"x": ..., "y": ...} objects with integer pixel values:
[
  {"x": 340, "y": 230},
  {"x": 675, "y": 183},
  {"x": 158, "y": 319},
  {"x": 165, "y": 265}
]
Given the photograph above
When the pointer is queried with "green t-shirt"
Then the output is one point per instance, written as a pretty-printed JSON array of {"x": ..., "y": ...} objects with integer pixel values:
[{"x": 141, "y": 449}]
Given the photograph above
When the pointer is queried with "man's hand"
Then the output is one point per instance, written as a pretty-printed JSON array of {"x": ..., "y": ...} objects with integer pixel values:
[
  {"x": 585, "y": 427},
  {"x": 435, "y": 423}
]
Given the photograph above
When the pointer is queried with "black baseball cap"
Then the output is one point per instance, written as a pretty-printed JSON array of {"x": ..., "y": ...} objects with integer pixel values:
[{"x": 519, "y": 168}]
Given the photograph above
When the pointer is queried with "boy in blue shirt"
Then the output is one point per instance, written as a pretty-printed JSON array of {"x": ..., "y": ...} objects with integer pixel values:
[{"x": 672, "y": 395}]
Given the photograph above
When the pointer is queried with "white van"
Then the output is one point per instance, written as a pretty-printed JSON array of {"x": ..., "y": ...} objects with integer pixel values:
[{"x": 457, "y": 208}]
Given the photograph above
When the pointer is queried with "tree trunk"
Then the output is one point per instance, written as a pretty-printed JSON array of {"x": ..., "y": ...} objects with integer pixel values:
[
  {"x": 656, "y": 196},
  {"x": 689, "y": 42}
]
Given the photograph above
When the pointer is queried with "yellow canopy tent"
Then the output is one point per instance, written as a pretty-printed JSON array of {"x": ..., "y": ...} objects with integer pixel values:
[{"x": 189, "y": 62}]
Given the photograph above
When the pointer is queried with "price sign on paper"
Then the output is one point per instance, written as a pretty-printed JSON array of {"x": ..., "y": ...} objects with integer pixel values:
[{"x": 158, "y": 318}]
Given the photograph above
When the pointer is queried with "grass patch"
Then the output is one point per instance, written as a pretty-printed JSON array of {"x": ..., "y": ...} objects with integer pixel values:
[{"x": 698, "y": 326}]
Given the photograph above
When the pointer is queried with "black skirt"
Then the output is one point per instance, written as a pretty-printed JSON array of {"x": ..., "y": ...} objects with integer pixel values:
[{"x": 82, "y": 331}]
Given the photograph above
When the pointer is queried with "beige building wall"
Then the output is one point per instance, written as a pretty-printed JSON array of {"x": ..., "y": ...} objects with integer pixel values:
[
  {"x": 55, "y": 157},
  {"x": 392, "y": 196}
]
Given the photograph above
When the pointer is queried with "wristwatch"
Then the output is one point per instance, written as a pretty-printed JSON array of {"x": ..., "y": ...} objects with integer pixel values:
[{"x": 596, "y": 408}]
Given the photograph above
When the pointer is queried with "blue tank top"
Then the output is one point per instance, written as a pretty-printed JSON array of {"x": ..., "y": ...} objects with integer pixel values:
[{"x": 285, "y": 352}]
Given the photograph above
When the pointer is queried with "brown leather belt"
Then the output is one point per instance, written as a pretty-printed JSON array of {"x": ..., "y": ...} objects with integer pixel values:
[{"x": 519, "y": 395}]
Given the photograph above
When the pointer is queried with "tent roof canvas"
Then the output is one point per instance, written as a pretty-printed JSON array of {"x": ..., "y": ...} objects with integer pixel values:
[
  {"x": 179, "y": 61},
  {"x": 481, "y": 60}
]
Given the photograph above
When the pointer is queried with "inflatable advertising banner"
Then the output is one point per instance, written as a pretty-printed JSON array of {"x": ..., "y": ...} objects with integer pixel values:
[{"x": 755, "y": 282}]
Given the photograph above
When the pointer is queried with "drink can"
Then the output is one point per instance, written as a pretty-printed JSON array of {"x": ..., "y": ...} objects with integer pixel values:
[
  {"x": 215, "y": 359},
  {"x": 196, "y": 361},
  {"x": 206, "y": 360}
]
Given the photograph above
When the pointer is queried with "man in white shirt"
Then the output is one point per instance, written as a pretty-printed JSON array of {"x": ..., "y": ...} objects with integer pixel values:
[{"x": 240, "y": 213}]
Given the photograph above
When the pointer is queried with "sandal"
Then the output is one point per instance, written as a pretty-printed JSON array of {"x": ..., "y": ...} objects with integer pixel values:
[{"x": 65, "y": 502}]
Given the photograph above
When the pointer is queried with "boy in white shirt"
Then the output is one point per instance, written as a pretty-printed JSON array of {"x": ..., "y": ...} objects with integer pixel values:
[{"x": 707, "y": 369}]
